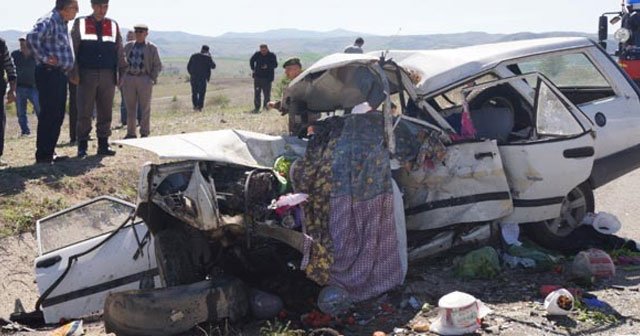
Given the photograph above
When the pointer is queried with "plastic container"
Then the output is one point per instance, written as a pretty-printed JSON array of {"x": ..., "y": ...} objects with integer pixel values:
[
  {"x": 593, "y": 263},
  {"x": 460, "y": 314},
  {"x": 559, "y": 302},
  {"x": 334, "y": 300}
]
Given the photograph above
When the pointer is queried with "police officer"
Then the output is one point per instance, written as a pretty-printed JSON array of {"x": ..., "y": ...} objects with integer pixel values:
[{"x": 99, "y": 65}]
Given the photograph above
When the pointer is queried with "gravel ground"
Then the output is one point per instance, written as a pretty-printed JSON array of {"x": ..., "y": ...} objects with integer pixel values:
[{"x": 513, "y": 296}]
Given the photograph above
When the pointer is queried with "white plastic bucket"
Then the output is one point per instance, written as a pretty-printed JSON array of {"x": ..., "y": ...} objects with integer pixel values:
[{"x": 459, "y": 314}]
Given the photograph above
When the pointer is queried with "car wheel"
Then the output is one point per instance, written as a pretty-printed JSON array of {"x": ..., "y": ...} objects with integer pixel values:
[{"x": 558, "y": 233}]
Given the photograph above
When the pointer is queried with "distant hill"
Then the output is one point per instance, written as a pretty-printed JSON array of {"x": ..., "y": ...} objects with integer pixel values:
[
  {"x": 290, "y": 33},
  {"x": 310, "y": 44}
]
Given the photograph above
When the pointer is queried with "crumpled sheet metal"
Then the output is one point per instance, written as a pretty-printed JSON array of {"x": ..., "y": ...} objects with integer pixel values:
[
  {"x": 469, "y": 187},
  {"x": 173, "y": 310}
]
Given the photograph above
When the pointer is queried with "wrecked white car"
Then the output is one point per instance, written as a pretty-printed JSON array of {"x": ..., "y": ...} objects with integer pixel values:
[{"x": 518, "y": 132}]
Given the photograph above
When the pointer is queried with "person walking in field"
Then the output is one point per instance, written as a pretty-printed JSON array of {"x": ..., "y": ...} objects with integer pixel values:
[
  {"x": 263, "y": 64},
  {"x": 137, "y": 84},
  {"x": 26, "y": 85},
  {"x": 10, "y": 70},
  {"x": 49, "y": 40},
  {"x": 199, "y": 68},
  {"x": 99, "y": 67}
]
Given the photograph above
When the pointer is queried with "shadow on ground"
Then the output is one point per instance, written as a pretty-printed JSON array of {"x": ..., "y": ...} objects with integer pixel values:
[{"x": 13, "y": 180}]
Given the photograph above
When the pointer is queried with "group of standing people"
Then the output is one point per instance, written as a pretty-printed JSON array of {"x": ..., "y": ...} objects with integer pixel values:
[{"x": 92, "y": 61}]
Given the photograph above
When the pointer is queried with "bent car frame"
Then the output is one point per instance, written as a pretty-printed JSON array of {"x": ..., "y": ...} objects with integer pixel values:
[{"x": 518, "y": 132}]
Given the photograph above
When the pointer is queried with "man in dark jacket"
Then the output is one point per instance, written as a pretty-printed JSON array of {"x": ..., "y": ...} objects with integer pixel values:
[
  {"x": 6, "y": 66},
  {"x": 199, "y": 68},
  {"x": 262, "y": 64},
  {"x": 26, "y": 89}
]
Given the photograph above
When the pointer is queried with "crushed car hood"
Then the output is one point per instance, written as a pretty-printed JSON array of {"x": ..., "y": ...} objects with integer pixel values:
[{"x": 227, "y": 146}]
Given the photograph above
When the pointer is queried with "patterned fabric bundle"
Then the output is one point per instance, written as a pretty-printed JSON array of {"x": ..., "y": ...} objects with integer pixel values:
[{"x": 349, "y": 215}]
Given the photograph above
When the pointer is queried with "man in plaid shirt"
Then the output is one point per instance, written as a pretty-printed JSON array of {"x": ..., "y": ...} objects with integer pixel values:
[
  {"x": 50, "y": 43},
  {"x": 10, "y": 70}
]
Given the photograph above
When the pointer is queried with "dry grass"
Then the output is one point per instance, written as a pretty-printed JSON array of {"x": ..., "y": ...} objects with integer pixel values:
[{"x": 29, "y": 192}]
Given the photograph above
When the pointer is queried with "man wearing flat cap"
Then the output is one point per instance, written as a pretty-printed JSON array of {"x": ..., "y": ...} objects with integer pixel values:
[
  {"x": 298, "y": 119},
  {"x": 137, "y": 83},
  {"x": 99, "y": 66}
]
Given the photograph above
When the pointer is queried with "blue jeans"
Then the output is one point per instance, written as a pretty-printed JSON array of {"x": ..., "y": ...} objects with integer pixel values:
[
  {"x": 24, "y": 95},
  {"x": 123, "y": 111}
]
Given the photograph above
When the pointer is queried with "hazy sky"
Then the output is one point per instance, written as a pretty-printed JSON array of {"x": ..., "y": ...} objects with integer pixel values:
[{"x": 213, "y": 18}]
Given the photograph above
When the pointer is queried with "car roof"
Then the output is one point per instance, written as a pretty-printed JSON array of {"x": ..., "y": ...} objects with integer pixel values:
[{"x": 439, "y": 68}]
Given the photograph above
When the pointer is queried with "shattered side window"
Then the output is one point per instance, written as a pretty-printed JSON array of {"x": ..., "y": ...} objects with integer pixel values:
[
  {"x": 453, "y": 98},
  {"x": 79, "y": 224},
  {"x": 553, "y": 117}
]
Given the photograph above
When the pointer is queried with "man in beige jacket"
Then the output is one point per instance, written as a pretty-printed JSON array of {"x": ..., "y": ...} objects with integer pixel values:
[{"x": 137, "y": 83}]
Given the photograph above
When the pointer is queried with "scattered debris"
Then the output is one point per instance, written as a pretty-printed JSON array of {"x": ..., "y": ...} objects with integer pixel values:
[
  {"x": 459, "y": 313},
  {"x": 542, "y": 260},
  {"x": 603, "y": 222},
  {"x": 593, "y": 263},
  {"x": 481, "y": 263},
  {"x": 70, "y": 329},
  {"x": 265, "y": 305},
  {"x": 559, "y": 302},
  {"x": 333, "y": 300}
]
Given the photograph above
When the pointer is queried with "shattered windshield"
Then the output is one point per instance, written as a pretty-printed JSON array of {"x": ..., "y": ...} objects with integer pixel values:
[
  {"x": 82, "y": 223},
  {"x": 453, "y": 98}
]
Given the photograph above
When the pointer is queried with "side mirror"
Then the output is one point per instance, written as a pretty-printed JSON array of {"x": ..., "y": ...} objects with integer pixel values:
[{"x": 603, "y": 28}]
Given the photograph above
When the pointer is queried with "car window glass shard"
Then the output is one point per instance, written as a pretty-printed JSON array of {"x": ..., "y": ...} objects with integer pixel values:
[
  {"x": 80, "y": 223},
  {"x": 553, "y": 117}
]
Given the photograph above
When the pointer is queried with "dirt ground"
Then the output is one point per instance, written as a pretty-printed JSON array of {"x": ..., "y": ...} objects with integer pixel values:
[{"x": 513, "y": 296}]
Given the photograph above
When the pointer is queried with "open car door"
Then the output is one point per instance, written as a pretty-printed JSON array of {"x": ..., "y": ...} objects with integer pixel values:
[
  {"x": 88, "y": 251},
  {"x": 553, "y": 159}
]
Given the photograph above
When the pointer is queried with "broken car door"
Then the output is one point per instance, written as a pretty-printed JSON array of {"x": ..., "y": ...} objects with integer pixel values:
[
  {"x": 107, "y": 251},
  {"x": 552, "y": 160},
  {"x": 468, "y": 186}
]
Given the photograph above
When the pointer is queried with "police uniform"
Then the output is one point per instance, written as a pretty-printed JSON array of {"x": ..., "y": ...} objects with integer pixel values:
[{"x": 99, "y": 63}]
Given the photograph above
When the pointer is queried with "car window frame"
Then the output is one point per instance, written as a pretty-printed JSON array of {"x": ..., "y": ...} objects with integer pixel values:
[
  {"x": 63, "y": 212},
  {"x": 585, "y": 51}
]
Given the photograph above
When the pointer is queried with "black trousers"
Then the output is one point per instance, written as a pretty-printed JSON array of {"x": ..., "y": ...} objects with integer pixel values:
[
  {"x": 3, "y": 118},
  {"x": 261, "y": 85},
  {"x": 73, "y": 111},
  {"x": 198, "y": 91},
  {"x": 52, "y": 87}
]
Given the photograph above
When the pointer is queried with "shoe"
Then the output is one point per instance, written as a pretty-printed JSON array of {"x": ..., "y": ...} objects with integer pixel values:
[
  {"x": 129, "y": 137},
  {"x": 144, "y": 136},
  {"x": 59, "y": 158},
  {"x": 82, "y": 149},
  {"x": 103, "y": 147}
]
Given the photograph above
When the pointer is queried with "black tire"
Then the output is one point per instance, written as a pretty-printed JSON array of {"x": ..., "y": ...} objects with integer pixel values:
[
  {"x": 561, "y": 234},
  {"x": 182, "y": 255}
]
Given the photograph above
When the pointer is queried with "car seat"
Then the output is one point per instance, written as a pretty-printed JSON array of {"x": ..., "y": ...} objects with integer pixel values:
[{"x": 493, "y": 122}]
